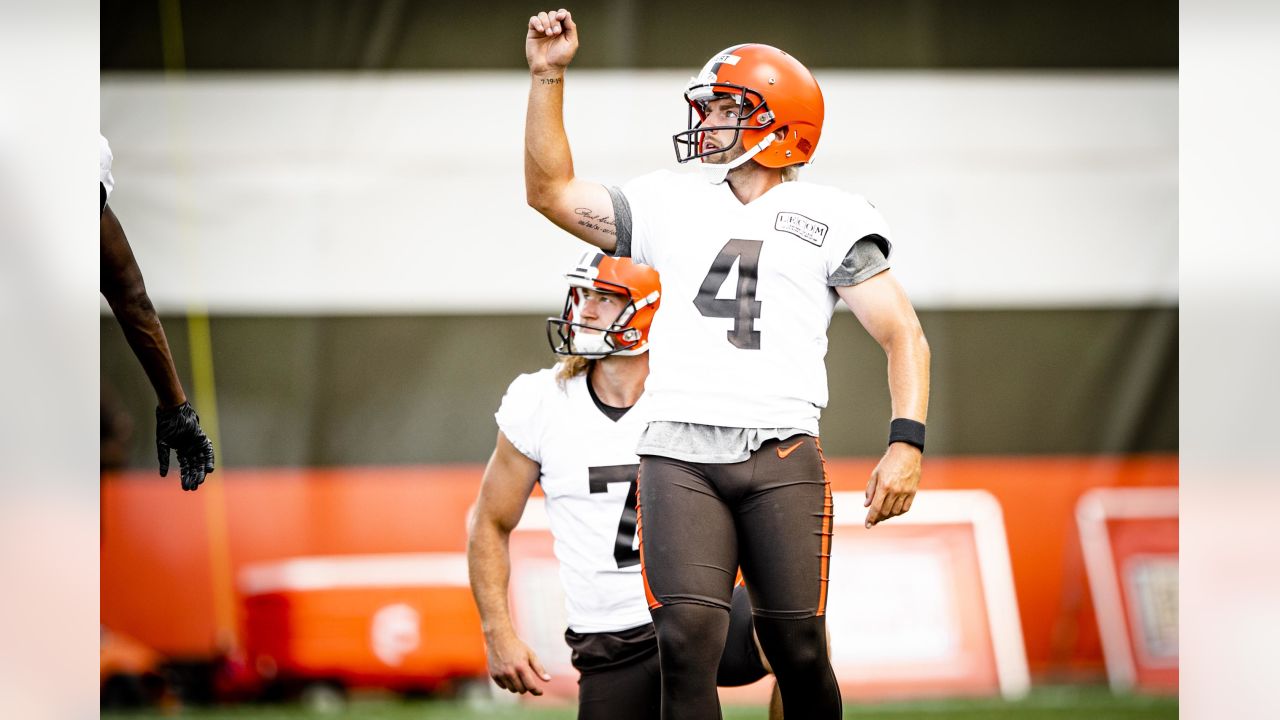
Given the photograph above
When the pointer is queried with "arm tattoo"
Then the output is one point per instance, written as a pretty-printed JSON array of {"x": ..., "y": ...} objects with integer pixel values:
[
  {"x": 551, "y": 81},
  {"x": 600, "y": 223}
]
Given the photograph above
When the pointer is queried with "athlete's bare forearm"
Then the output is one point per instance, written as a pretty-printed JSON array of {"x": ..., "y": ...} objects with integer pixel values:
[
  {"x": 504, "y": 490},
  {"x": 884, "y": 309},
  {"x": 489, "y": 564},
  {"x": 908, "y": 356},
  {"x": 548, "y": 161},
  {"x": 584, "y": 209},
  {"x": 146, "y": 338},
  {"x": 122, "y": 285}
]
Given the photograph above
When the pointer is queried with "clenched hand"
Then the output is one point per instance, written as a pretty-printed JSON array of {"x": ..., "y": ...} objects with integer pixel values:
[{"x": 551, "y": 42}]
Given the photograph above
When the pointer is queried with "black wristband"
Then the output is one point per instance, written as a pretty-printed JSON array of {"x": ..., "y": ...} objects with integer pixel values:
[{"x": 908, "y": 431}]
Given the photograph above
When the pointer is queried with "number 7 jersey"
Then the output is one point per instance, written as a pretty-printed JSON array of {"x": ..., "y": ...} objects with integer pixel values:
[
  {"x": 588, "y": 475},
  {"x": 747, "y": 295}
]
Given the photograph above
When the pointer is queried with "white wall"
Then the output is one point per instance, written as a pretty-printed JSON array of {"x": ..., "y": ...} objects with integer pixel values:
[{"x": 404, "y": 192}]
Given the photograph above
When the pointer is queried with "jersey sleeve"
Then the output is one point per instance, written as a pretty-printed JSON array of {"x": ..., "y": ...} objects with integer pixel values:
[
  {"x": 868, "y": 258},
  {"x": 520, "y": 415},
  {"x": 849, "y": 260},
  {"x": 106, "y": 183},
  {"x": 622, "y": 221},
  {"x": 639, "y": 201}
]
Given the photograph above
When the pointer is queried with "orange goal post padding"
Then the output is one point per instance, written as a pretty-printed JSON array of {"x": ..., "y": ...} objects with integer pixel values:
[{"x": 1130, "y": 541}]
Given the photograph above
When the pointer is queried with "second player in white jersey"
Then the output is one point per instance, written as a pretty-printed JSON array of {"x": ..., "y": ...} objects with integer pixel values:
[
  {"x": 573, "y": 429},
  {"x": 749, "y": 295},
  {"x": 588, "y": 474}
]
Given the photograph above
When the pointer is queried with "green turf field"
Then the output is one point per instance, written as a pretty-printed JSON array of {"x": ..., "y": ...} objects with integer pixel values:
[{"x": 1056, "y": 703}]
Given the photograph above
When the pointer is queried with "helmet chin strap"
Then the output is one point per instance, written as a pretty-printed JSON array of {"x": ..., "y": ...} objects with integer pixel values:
[{"x": 716, "y": 174}]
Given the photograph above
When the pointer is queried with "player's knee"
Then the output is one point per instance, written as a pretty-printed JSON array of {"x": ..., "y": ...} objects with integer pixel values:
[
  {"x": 690, "y": 634},
  {"x": 793, "y": 645}
]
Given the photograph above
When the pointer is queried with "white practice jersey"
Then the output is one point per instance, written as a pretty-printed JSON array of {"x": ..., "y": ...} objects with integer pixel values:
[
  {"x": 589, "y": 470},
  {"x": 104, "y": 167},
  {"x": 741, "y": 338}
]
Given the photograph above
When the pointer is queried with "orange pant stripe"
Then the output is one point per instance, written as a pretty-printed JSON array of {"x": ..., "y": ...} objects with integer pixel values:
[
  {"x": 828, "y": 515},
  {"x": 648, "y": 594}
]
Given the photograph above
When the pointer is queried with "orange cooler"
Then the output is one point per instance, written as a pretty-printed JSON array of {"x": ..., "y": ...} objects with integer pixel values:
[{"x": 403, "y": 621}]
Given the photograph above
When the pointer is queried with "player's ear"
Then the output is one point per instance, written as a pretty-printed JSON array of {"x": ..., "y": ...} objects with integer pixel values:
[{"x": 780, "y": 134}]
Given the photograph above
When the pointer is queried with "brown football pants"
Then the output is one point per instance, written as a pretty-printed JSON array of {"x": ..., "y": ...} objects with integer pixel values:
[{"x": 698, "y": 523}]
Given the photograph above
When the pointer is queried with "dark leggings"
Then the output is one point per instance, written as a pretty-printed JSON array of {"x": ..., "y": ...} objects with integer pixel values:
[
  {"x": 620, "y": 676},
  {"x": 770, "y": 515}
]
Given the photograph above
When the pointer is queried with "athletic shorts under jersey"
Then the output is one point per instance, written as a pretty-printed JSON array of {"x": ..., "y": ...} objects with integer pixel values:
[
  {"x": 589, "y": 466},
  {"x": 747, "y": 295}
]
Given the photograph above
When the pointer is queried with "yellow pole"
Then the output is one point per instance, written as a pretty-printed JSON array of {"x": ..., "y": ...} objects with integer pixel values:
[{"x": 203, "y": 386}]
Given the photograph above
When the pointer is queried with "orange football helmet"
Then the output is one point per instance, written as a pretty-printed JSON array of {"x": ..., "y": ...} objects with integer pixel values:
[
  {"x": 629, "y": 334},
  {"x": 774, "y": 91}
]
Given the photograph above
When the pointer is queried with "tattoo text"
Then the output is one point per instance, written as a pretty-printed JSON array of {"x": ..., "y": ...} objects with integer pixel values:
[{"x": 589, "y": 219}]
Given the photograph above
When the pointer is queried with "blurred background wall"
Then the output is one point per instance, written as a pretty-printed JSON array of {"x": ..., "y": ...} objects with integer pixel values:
[
  {"x": 339, "y": 186},
  {"x": 336, "y": 186}
]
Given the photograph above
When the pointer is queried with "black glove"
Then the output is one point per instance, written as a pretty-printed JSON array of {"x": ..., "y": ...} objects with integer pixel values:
[{"x": 179, "y": 428}]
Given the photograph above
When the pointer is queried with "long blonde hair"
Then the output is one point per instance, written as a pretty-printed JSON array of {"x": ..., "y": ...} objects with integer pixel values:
[{"x": 571, "y": 367}]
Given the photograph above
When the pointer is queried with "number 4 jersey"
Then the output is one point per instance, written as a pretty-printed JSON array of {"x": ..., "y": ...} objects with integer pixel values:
[
  {"x": 747, "y": 294},
  {"x": 589, "y": 467}
]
